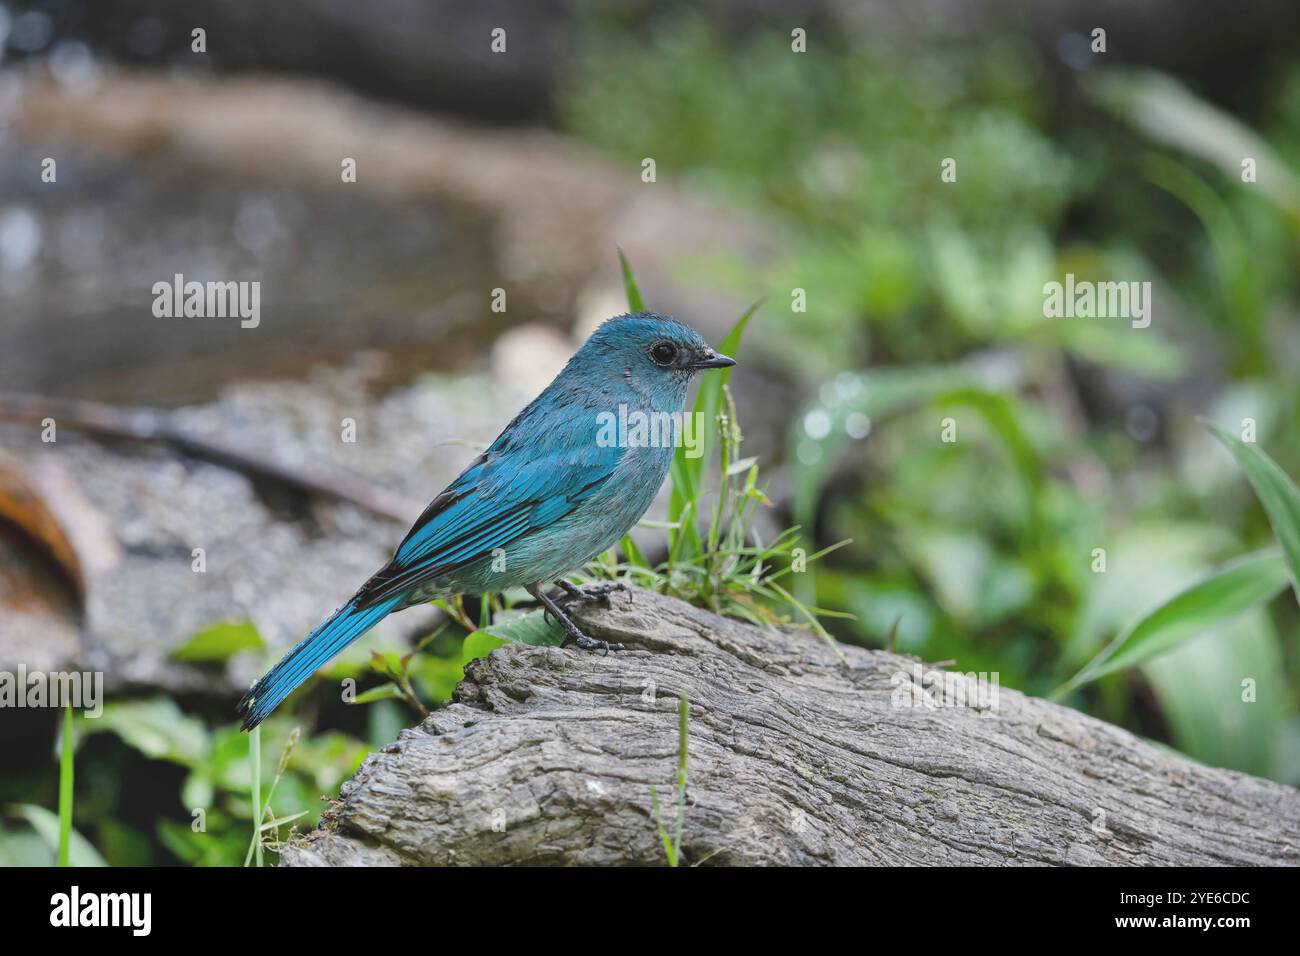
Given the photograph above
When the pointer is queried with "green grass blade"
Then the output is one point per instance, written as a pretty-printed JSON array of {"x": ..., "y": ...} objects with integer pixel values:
[
  {"x": 281, "y": 821},
  {"x": 1276, "y": 492},
  {"x": 712, "y": 384},
  {"x": 1230, "y": 590},
  {"x": 255, "y": 758},
  {"x": 685, "y": 473},
  {"x": 634, "y": 301},
  {"x": 683, "y": 730},
  {"x": 659, "y": 822},
  {"x": 632, "y": 552},
  {"x": 65, "y": 789},
  {"x": 683, "y": 493},
  {"x": 810, "y": 617}
]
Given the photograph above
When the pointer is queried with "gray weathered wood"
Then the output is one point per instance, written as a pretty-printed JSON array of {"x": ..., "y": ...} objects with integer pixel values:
[{"x": 548, "y": 755}]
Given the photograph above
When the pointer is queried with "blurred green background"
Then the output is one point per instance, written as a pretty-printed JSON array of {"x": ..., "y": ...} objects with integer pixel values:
[{"x": 982, "y": 549}]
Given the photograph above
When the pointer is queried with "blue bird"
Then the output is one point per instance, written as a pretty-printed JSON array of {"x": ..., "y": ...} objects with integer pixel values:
[{"x": 557, "y": 488}]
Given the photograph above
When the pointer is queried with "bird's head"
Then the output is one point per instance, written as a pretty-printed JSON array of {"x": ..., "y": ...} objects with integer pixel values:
[{"x": 652, "y": 352}]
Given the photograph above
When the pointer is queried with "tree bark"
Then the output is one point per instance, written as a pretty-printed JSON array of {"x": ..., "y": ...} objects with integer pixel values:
[{"x": 548, "y": 756}]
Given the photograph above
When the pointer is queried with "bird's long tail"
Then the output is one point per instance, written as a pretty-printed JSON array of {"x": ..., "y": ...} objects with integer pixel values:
[{"x": 346, "y": 625}]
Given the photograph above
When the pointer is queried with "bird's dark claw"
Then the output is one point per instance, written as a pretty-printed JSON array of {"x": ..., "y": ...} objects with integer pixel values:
[
  {"x": 586, "y": 594},
  {"x": 572, "y": 592},
  {"x": 589, "y": 593},
  {"x": 576, "y": 636}
]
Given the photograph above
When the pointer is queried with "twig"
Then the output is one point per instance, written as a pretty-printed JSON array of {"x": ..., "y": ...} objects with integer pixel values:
[{"x": 893, "y": 633}]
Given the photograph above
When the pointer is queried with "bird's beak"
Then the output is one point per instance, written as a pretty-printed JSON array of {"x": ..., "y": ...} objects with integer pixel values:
[{"x": 713, "y": 359}]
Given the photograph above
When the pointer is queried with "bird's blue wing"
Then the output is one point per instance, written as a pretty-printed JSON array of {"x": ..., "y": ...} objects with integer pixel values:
[{"x": 505, "y": 494}]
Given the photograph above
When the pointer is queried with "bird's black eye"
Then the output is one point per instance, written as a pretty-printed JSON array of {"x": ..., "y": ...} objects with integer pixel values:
[{"x": 663, "y": 354}]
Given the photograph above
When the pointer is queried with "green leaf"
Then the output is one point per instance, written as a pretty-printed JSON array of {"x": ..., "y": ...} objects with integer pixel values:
[
  {"x": 387, "y": 664},
  {"x": 479, "y": 645},
  {"x": 1169, "y": 113},
  {"x": 156, "y": 727},
  {"x": 23, "y": 847},
  {"x": 1234, "y": 588},
  {"x": 81, "y": 852},
  {"x": 1276, "y": 492},
  {"x": 1148, "y": 561},
  {"x": 181, "y": 840},
  {"x": 437, "y": 677},
  {"x": 220, "y": 642},
  {"x": 1199, "y": 685},
  {"x": 530, "y": 628},
  {"x": 1000, "y": 412},
  {"x": 382, "y": 692}
]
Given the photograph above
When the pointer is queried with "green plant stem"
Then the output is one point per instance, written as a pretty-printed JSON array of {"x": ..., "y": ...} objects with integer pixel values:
[
  {"x": 255, "y": 756},
  {"x": 65, "y": 789}
]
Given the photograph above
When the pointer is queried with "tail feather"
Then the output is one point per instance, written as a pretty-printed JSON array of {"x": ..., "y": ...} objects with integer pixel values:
[{"x": 346, "y": 625}]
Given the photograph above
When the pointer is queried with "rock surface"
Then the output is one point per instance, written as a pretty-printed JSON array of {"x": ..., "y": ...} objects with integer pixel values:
[
  {"x": 271, "y": 554},
  {"x": 554, "y": 210},
  {"x": 548, "y": 756}
]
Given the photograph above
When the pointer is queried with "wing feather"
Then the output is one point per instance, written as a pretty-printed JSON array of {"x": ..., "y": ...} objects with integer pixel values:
[{"x": 497, "y": 500}]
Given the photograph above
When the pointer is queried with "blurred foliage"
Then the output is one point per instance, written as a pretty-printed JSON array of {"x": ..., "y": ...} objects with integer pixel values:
[
  {"x": 989, "y": 462},
  {"x": 191, "y": 798},
  {"x": 842, "y": 152}
]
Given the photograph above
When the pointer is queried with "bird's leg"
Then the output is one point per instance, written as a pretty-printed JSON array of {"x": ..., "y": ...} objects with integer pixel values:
[
  {"x": 572, "y": 633},
  {"x": 585, "y": 593}
]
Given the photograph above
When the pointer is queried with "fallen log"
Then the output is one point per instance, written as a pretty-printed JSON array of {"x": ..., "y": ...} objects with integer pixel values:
[
  {"x": 548, "y": 756},
  {"x": 147, "y": 424}
]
